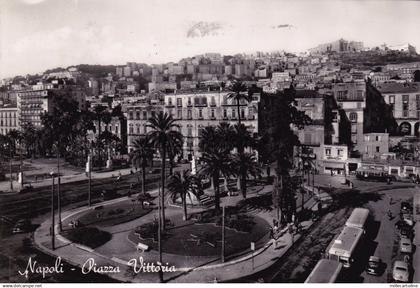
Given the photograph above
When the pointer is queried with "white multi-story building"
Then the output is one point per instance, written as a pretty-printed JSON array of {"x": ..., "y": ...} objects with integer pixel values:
[{"x": 196, "y": 110}]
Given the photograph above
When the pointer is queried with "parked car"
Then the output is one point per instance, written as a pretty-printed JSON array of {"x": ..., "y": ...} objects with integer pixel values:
[
  {"x": 375, "y": 266},
  {"x": 400, "y": 271},
  {"x": 21, "y": 226},
  {"x": 406, "y": 246},
  {"x": 406, "y": 207},
  {"x": 406, "y": 232},
  {"x": 408, "y": 218}
]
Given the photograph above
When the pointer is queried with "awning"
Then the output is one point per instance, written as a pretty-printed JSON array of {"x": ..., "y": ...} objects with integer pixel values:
[{"x": 333, "y": 165}]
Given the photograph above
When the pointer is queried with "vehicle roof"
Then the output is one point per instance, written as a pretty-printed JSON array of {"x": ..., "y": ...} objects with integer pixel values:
[
  {"x": 405, "y": 240},
  {"x": 346, "y": 241},
  {"x": 374, "y": 258},
  {"x": 358, "y": 217},
  {"x": 325, "y": 271},
  {"x": 399, "y": 263}
]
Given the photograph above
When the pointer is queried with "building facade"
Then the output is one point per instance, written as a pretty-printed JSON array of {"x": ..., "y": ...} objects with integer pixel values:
[
  {"x": 8, "y": 119},
  {"x": 196, "y": 110}
]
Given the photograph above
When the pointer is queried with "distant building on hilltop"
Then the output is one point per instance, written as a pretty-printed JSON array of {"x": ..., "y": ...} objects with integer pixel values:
[{"x": 340, "y": 45}]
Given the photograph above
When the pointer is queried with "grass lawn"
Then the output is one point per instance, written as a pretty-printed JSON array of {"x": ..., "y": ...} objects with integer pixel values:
[
  {"x": 114, "y": 214},
  {"x": 88, "y": 236},
  {"x": 204, "y": 239}
]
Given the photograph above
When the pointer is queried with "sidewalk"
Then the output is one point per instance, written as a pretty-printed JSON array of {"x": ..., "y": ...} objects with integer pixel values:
[{"x": 118, "y": 251}]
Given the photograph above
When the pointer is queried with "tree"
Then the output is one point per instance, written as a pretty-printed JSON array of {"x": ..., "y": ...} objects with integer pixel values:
[
  {"x": 183, "y": 185},
  {"x": 246, "y": 164},
  {"x": 279, "y": 116},
  {"x": 241, "y": 139},
  {"x": 163, "y": 135},
  {"x": 99, "y": 112},
  {"x": 239, "y": 93},
  {"x": 216, "y": 162},
  {"x": 29, "y": 138},
  {"x": 141, "y": 156}
]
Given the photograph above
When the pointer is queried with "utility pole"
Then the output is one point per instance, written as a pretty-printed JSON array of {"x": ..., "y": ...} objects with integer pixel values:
[
  {"x": 90, "y": 164},
  {"x": 60, "y": 226},
  {"x": 223, "y": 234},
  {"x": 160, "y": 236},
  {"x": 10, "y": 166},
  {"x": 52, "y": 213}
]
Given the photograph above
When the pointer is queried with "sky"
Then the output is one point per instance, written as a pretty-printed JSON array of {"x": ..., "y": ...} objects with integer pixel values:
[{"x": 36, "y": 35}]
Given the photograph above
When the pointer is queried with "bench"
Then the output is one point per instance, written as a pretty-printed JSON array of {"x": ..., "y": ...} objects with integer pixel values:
[{"x": 142, "y": 247}]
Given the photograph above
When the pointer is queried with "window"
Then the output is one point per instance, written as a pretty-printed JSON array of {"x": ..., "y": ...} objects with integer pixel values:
[
  {"x": 213, "y": 101},
  {"x": 189, "y": 101},
  {"x": 179, "y": 114},
  {"x": 354, "y": 128},
  {"x": 242, "y": 113},
  {"x": 377, "y": 149},
  {"x": 328, "y": 151},
  {"x": 145, "y": 129},
  {"x": 391, "y": 99},
  {"x": 145, "y": 115},
  {"x": 234, "y": 114},
  {"x": 189, "y": 114},
  {"x": 378, "y": 138},
  {"x": 212, "y": 113},
  {"x": 131, "y": 129},
  {"x": 224, "y": 113},
  {"x": 342, "y": 95},
  {"x": 189, "y": 131},
  {"x": 138, "y": 128},
  {"x": 137, "y": 115},
  {"x": 200, "y": 113},
  {"x": 353, "y": 117},
  {"x": 179, "y": 102},
  {"x": 130, "y": 115},
  {"x": 339, "y": 152},
  {"x": 170, "y": 101},
  {"x": 405, "y": 98}
]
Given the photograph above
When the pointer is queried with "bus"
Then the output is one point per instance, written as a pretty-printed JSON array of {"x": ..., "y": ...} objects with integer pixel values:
[
  {"x": 365, "y": 173},
  {"x": 344, "y": 248},
  {"x": 416, "y": 206},
  {"x": 325, "y": 271},
  {"x": 358, "y": 218}
]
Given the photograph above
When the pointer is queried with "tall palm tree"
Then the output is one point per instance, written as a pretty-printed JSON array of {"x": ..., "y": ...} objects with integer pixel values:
[
  {"x": 246, "y": 164},
  {"x": 242, "y": 139},
  {"x": 183, "y": 185},
  {"x": 141, "y": 156},
  {"x": 216, "y": 162},
  {"x": 174, "y": 149},
  {"x": 226, "y": 133},
  {"x": 163, "y": 134},
  {"x": 99, "y": 111},
  {"x": 16, "y": 137},
  {"x": 239, "y": 93}
]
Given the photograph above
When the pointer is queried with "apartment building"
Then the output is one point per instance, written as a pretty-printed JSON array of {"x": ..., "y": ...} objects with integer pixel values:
[
  {"x": 404, "y": 99},
  {"x": 196, "y": 110},
  {"x": 8, "y": 119}
]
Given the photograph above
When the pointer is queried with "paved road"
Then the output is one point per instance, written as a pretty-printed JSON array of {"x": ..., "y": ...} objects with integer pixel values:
[{"x": 387, "y": 239}]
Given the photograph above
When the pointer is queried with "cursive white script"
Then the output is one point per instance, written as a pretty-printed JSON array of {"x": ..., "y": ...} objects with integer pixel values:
[
  {"x": 33, "y": 267},
  {"x": 141, "y": 266},
  {"x": 91, "y": 266}
]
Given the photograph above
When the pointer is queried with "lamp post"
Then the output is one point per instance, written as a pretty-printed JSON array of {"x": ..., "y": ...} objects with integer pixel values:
[
  {"x": 160, "y": 234},
  {"x": 223, "y": 234},
  {"x": 10, "y": 166},
  {"x": 52, "y": 212},
  {"x": 60, "y": 226},
  {"x": 89, "y": 171}
]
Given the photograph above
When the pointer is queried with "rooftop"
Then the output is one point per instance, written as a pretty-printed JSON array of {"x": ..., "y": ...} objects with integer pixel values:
[{"x": 393, "y": 87}]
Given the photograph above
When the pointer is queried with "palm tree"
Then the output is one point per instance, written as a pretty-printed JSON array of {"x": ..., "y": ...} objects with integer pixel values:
[
  {"x": 242, "y": 139},
  {"x": 174, "y": 149},
  {"x": 140, "y": 156},
  {"x": 227, "y": 134},
  {"x": 239, "y": 93},
  {"x": 246, "y": 164},
  {"x": 163, "y": 135},
  {"x": 183, "y": 185},
  {"x": 216, "y": 162},
  {"x": 99, "y": 111}
]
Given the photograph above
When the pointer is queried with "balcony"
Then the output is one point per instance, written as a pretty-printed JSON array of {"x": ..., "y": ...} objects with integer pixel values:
[{"x": 169, "y": 106}]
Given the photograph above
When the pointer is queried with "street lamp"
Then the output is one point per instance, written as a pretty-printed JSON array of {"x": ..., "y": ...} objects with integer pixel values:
[
  {"x": 60, "y": 226},
  {"x": 10, "y": 166},
  {"x": 223, "y": 234},
  {"x": 52, "y": 212}
]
